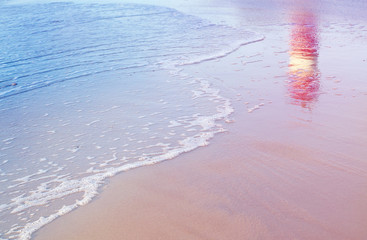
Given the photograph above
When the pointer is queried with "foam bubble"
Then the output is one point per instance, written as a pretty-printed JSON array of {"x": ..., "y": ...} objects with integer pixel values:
[{"x": 197, "y": 122}]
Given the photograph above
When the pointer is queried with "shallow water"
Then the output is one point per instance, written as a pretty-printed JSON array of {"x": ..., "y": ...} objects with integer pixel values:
[{"x": 91, "y": 90}]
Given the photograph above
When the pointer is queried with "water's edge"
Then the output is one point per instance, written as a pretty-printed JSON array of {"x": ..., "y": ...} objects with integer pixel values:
[{"x": 209, "y": 125}]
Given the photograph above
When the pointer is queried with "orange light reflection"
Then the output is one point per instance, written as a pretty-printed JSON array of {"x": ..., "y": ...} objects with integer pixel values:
[{"x": 303, "y": 72}]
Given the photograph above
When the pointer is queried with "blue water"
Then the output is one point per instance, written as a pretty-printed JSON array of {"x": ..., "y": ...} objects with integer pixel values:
[
  {"x": 91, "y": 90},
  {"x": 50, "y": 43}
]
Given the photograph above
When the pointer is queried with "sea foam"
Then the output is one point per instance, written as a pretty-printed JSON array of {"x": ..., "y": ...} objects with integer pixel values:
[{"x": 101, "y": 91}]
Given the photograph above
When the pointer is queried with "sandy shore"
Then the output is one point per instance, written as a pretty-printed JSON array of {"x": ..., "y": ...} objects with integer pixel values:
[{"x": 292, "y": 165}]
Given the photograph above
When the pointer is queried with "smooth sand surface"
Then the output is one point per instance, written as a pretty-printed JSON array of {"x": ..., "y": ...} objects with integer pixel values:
[{"x": 295, "y": 168}]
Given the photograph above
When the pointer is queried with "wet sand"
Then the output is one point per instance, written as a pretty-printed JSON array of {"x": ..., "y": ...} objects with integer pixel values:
[{"x": 292, "y": 165}]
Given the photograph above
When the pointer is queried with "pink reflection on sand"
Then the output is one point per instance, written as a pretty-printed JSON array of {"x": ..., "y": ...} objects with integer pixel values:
[{"x": 303, "y": 72}]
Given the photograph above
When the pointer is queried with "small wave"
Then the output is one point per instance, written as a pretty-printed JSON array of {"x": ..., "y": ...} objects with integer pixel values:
[
  {"x": 252, "y": 38},
  {"x": 34, "y": 86},
  {"x": 178, "y": 114}
]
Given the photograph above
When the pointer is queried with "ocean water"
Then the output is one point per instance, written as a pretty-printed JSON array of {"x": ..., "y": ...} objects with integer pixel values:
[{"x": 91, "y": 90}]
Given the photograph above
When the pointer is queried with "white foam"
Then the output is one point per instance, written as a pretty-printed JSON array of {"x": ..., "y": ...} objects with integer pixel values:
[
  {"x": 251, "y": 38},
  {"x": 5, "y": 161},
  {"x": 89, "y": 185},
  {"x": 93, "y": 122},
  {"x": 174, "y": 123},
  {"x": 258, "y": 106},
  {"x": 8, "y": 140},
  {"x": 200, "y": 128}
]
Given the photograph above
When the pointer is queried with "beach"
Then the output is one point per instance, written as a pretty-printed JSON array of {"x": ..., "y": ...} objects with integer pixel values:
[{"x": 275, "y": 147}]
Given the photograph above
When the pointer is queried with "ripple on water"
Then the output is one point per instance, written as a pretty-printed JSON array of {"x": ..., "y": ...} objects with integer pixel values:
[{"x": 100, "y": 89}]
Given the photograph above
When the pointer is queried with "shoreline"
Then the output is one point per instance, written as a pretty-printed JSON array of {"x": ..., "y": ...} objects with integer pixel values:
[
  {"x": 237, "y": 187},
  {"x": 272, "y": 176}
]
